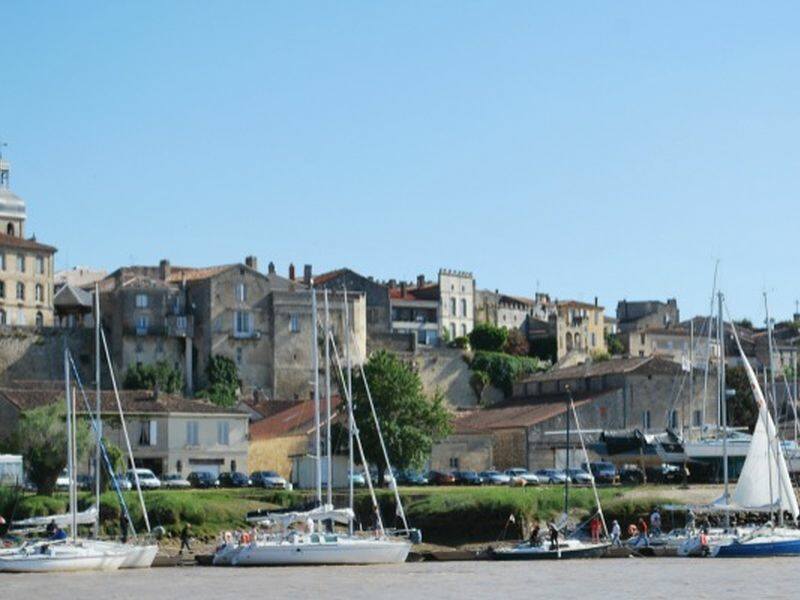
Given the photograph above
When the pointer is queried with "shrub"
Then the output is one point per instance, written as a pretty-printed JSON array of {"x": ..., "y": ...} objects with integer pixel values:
[
  {"x": 478, "y": 381},
  {"x": 487, "y": 337},
  {"x": 504, "y": 370},
  {"x": 223, "y": 381},
  {"x": 461, "y": 342},
  {"x": 150, "y": 376},
  {"x": 516, "y": 343}
]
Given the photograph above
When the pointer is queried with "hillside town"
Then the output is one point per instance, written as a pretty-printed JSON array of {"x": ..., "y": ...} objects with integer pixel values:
[{"x": 639, "y": 368}]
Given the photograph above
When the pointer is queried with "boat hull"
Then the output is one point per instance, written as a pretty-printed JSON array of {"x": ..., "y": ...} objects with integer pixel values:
[
  {"x": 40, "y": 563},
  {"x": 757, "y": 547},
  {"x": 539, "y": 553},
  {"x": 356, "y": 552}
]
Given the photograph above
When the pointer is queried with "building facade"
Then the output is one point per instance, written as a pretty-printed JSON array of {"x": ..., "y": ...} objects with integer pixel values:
[
  {"x": 579, "y": 329},
  {"x": 633, "y": 316},
  {"x": 26, "y": 266}
]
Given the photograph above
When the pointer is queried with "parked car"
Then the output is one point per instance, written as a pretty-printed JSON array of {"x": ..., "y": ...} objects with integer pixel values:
[
  {"x": 175, "y": 481},
  {"x": 631, "y": 474},
  {"x": 439, "y": 478},
  {"x": 580, "y": 477},
  {"x": 62, "y": 482},
  {"x": 147, "y": 479},
  {"x": 467, "y": 478},
  {"x": 358, "y": 480},
  {"x": 122, "y": 482},
  {"x": 604, "y": 472},
  {"x": 520, "y": 476},
  {"x": 409, "y": 477},
  {"x": 268, "y": 479},
  {"x": 665, "y": 473},
  {"x": 234, "y": 480},
  {"x": 551, "y": 476},
  {"x": 202, "y": 479},
  {"x": 495, "y": 478}
]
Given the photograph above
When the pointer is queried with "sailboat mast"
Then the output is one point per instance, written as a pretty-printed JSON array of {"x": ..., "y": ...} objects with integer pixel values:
[
  {"x": 70, "y": 466},
  {"x": 708, "y": 352},
  {"x": 771, "y": 362},
  {"x": 566, "y": 481},
  {"x": 99, "y": 426},
  {"x": 691, "y": 381},
  {"x": 315, "y": 375},
  {"x": 722, "y": 404},
  {"x": 350, "y": 418},
  {"x": 328, "y": 449}
]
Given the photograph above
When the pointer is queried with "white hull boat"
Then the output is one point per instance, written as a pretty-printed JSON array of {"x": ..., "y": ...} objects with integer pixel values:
[
  {"x": 45, "y": 558},
  {"x": 570, "y": 548},
  {"x": 137, "y": 556},
  {"x": 322, "y": 549}
]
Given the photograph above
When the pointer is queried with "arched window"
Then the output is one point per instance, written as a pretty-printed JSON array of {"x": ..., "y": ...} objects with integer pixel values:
[
  {"x": 39, "y": 319},
  {"x": 578, "y": 341},
  {"x": 2, "y": 289},
  {"x": 453, "y": 306},
  {"x": 20, "y": 291},
  {"x": 39, "y": 292},
  {"x": 10, "y": 229},
  {"x": 463, "y": 307},
  {"x": 569, "y": 341}
]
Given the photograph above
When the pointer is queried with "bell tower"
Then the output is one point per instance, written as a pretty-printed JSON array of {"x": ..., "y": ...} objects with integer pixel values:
[{"x": 12, "y": 207}]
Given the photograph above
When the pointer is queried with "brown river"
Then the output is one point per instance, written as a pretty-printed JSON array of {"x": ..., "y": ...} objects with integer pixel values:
[{"x": 670, "y": 578}]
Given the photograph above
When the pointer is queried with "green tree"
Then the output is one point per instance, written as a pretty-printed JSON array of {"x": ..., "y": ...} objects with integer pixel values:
[
  {"x": 504, "y": 370},
  {"x": 741, "y": 407},
  {"x": 479, "y": 381},
  {"x": 516, "y": 343},
  {"x": 410, "y": 421},
  {"x": 488, "y": 337},
  {"x": 41, "y": 439},
  {"x": 148, "y": 376},
  {"x": 117, "y": 460},
  {"x": 223, "y": 381},
  {"x": 614, "y": 344}
]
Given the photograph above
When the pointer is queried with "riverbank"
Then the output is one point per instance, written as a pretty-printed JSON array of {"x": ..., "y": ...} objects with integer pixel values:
[{"x": 447, "y": 516}]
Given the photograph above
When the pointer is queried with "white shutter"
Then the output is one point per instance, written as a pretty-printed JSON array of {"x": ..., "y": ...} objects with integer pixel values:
[{"x": 153, "y": 433}]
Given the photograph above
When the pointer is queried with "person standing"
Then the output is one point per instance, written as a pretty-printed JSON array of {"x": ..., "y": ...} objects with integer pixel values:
[
  {"x": 655, "y": 522},
  {"x": 642, "y": 527},
  {"x": 594, "y": 527},
  {"x": 123, "y": 527},
  {"x": 186, "y": 535},
  {"x": 553, "y": 536},
  {"x": 616, "y": 531}
]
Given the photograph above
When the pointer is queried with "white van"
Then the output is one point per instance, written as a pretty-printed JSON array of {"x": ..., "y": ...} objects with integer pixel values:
[{"x": 147, "y": 479}]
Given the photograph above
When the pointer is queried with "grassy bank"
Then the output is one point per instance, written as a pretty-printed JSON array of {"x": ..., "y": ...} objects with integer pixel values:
[{"x": 446, "y": 515}]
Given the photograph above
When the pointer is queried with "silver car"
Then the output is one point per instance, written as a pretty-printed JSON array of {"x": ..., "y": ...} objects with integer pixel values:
[
  {"x": 495, "y": 478},
  {"x": 522, "y": 475}
]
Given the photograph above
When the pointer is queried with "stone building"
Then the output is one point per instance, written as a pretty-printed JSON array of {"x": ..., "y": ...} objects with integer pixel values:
[
  {"x": 26, "y": 266},
  {"x": 633, "y": 316},
  {"x": 673, "y": 344},
  {"x": 185, "y": 316},
  {"x": 379, "y": 319},
  {"x": 456, "y": 302},
  {"x": 580, "y": 329}
]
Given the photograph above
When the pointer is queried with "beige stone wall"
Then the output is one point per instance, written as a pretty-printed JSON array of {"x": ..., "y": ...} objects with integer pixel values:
[
  {"x": 23, "y": 312},
  {"x": 273, "y": 454},
  {"x": 446, "y": 370},
  {"x": 580, "y": 330},
  {"x": 509, "y": 449},
  {"x": 472, "y": 451},
  {"x": 457, "y": 291}
]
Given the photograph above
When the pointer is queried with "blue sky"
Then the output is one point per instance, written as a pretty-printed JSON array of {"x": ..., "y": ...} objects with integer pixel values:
[{"x": 585, "y": 149}]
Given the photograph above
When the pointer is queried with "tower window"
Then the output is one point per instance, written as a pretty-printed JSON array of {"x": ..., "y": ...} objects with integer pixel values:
[
  {"x": 20, "y": 291},
  {"x": 10, "y": 229},
  {"x": 40, "y": 265},
  {"x": 21, "y": 263},
  {"x": 39, "y": 292}
]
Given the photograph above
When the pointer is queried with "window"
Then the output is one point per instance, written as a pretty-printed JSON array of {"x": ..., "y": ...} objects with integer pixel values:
[
  {"x": 697, "y": 418},
  {"x": 243, "y": 323},
  {"x": 179, "y": 466},
  {"x": 241, "y": 292},
  {"x": 641, "y": 338},
  {"x": 239, "y": 356},
  {"x": 181, "y": 323},
  {"x": 21, "y": 263},
  {"x": 463, "y": 307},
  {"x": 39, "y": 293},
  {"x": 2, "y": 289},
  {"x": 453, "y": 307},
  {"x": 20, "y": 291},
  {"x": 294, "y": 324},
  {"x": 149, "y": 433},
  {"x": 452, "y": 331},
  {"x": 10, "y": 229},
  {"x": 454, "y": 462},
  {"x": 673, "y": 419},
  {"x": 142, "y": 324},
  {"x": 39, "y": 319},
  {"x": 463, "y": 330},
  {"x": 141, "y": 300},
  {"x": 223, "y": 433},
  {"x": 192, "y": 433},
  {"x": 594, "y": 340},
  {"x": 3, "y": 261},
  {"x": 40, "y": 265},
  {"x": 2, "y": 317},
  {"x": 646, "y": 420}
]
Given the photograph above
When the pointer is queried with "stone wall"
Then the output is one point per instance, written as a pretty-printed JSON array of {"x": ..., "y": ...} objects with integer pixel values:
[
  {"x": 446, "y": 370},
  {"x": 463, "y": 451},
  {"x": 38, "y": 354}
]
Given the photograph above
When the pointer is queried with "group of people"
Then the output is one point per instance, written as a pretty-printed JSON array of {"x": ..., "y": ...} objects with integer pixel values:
[
  {"x": 535, "y": 538},
  {"x": 640, "y": 531}
]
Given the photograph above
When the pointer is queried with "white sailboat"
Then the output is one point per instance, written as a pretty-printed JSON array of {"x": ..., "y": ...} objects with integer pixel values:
[
  {"x": 284, "y": 544},
  {"x": 569, "y": 547}
]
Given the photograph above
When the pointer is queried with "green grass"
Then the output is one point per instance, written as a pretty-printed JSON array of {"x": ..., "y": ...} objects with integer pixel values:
[{"x": 446, "y": 515}]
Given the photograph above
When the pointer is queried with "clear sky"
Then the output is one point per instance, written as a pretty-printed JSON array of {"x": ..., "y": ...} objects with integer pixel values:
[{"x": 585, "y": 149}]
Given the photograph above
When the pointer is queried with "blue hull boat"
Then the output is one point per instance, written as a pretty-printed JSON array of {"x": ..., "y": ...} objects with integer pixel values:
[{"x": 756, "y": 547}]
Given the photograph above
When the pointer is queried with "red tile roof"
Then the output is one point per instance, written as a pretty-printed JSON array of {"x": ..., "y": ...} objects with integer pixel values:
[
  {"x": 427, "y": 292},
  {"x": 511, "y": 415},
  {"x": 296, "y": 419},
  {"x": 17, "y": 242}
]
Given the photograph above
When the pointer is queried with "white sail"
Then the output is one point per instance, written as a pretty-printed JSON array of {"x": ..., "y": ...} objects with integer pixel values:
[{"x": 764, "y": 483}]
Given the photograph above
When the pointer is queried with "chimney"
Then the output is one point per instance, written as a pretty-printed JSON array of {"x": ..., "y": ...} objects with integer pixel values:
[
  {"x": 163, "y": 269},
  {"x": 420, "y": 281},
  {"x": 595, "y": 300},
  {"x": 402, "y": 288},
  {"x": 291, "y": 271},
  {"x": 307, "y": 274},
  {"x": 252, "y": 262},
  {"x": 392, "y": 284},
  {"x": 271, "y": 268}
]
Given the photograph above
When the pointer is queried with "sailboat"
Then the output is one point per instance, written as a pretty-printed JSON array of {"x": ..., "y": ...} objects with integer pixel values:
[
  {"x": 311, "y": 543},
  {"x": 764, "y": 485},
  {"x": 570, "y": 547},
  {"x": 72, "y": 553}
]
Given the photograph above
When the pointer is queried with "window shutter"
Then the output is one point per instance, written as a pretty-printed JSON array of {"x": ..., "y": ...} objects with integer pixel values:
[{"x": 153, "y": 433}]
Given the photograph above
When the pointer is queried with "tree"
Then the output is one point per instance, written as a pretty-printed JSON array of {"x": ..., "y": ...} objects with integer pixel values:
[
  {"x": 488, "y": 337},
  {"x": 614, "y": 344},
  {"x": 41, "y": 439},
  {"x": 479, "y": 380},
  {"x": 504, "y": 370},
  {"x": 149, "y": 376},
  {"x": 744, "y": 323},
  {"x": 741, "y": 407},
  {"x": 223, "y": 381},
  {"x": 516, "y": 343},
  {"x": 411, "y": 422}
]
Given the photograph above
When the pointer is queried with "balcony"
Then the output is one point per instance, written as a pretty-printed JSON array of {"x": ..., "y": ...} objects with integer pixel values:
[{"x": 246, "y": 335}]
